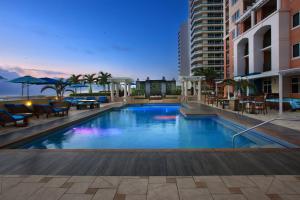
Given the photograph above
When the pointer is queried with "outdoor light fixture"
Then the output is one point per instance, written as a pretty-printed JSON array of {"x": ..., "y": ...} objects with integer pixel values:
[{"x": 28, "y": 103}]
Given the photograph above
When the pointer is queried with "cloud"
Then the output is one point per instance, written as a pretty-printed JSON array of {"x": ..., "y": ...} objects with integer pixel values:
[{"x": 20, "y": 71}]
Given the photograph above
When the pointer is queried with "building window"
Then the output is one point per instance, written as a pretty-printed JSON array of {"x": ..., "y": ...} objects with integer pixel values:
[
  {"x": 295, "y": 85},
  {"x": 296, "y": 50},
  {"x": 296, "y": 19},
  {"x": 235, "y": 16},
  {"x": 233, "y": 2},
  {"x": 267, "y": 86}
]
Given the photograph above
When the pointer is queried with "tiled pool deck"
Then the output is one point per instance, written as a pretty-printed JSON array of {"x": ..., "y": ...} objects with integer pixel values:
[
  {"x": 149, "y": 174},
  {"x": 39, "y": 187}
]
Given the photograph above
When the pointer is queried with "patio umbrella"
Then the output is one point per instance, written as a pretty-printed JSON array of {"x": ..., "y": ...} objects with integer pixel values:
[
  {"x": 2, "y": 78},
  {"x": 50, "y": 81},
  {"x": 27, "y": 80}
]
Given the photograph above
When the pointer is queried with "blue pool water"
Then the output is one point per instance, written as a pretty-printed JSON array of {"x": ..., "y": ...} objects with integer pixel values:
[{"x": 149, "y": 126}]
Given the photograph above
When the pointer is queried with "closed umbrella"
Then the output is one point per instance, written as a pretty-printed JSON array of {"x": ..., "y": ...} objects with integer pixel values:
[{"x": 27, "y": 80}]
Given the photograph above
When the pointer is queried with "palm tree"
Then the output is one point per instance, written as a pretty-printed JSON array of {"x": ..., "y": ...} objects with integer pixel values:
[
  {"x": 75, "y": 79},
  {"x": 103, "y": 79},
  {"x": 242, "y": 85},
  {"x": 60, "y": 88},
  {"x": 90, "y": 79}
]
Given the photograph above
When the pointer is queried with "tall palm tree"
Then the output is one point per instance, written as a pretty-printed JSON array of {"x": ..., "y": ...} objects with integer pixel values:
[
  {"x": 90, "y": 79},
  {"x": 75, "y": 79},
  {"x": 103, "y": 79},
  {"x": 60, "y": 88}
]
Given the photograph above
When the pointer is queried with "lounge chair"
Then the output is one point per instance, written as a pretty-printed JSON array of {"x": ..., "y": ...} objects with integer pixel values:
[
  {"x": 103, "y": 99},
  {"x": 20, "y": 109},
  {"x": 41, "y": 109},
  {"x": 6, "y": 117},
  {"x": 62, "y": 106}
]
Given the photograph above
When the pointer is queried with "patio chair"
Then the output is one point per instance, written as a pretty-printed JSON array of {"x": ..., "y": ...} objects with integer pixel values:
[
  {"x": 20, "y": 109},
  {"x": 260, "y": 105},
  {"x": 6, "y": 117}
]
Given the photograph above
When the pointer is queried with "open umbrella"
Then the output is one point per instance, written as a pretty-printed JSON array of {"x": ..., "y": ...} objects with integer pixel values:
[
  {"x": 2, "y": 78},
  {"x": 27, "y": 80}
]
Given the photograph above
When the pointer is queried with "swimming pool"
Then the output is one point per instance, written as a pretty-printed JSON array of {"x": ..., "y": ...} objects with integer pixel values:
[{"x": 150, "y": 127}]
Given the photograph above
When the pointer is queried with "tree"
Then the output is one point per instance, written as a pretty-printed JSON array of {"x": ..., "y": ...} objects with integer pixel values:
[
  {"x": 90, "y": 79},
  {"x": 209, "y": 73},
  {"x": 75, "y": 79},
  {"x": 242, "y": 85},
  {"x": 103, "y": 79},
  {"x": 60, "y": 88}
]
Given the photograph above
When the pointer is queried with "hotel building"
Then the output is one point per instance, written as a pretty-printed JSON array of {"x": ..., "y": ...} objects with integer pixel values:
[
  {"x": 263, "y": 43},
  {"x": 206, "y": 22},
  {"x": 184, "y": 50}
]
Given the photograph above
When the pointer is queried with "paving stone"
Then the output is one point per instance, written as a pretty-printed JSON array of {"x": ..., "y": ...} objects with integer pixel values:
[
  {"x": 106, "y": 182},
  {"x": 91, "y": 191},
  {"x": 237, "y": 181},
  {"x": 136, "y": 197},
  {"x": 56, "y": 182},
  {"x": 293, "y": 185},
  {"x": 185, "y": 183},
  {"x": 196, "y": 193},
  {"x": 79, "y": 188},
  {"x": 254, "y": 194},
  {"x": 133, "y": 186},
  {"x": 207, "y": 179},
  {"x": 228, "y": 197},
  {"x": 7, "y": 183},
  {"x": 67, "y": 185},
  {"x": 21, "y": 191},
  {"x": 105, "y": 194},
  {"x": 48, "y": 194},
  {"x": 120, "y": 197},
  {"x": 277, "y": 187},
  {"x": 235, "y": 190},
  {"x": 166, "y": 191},
  {"x": 87, "y": 179},
  {"x": 274, "y": 196},
  {"x": 157, "y": 179},
  {"x": 33, "y": 179},
  {"x": 263, "y": 182},
  {"x": 201, "y": 184},
  {"x": 76, "y": 197},
  {"x": 286, "y": 178},
  {"x": 290, "y": 197},
  {"x": 217, "y": 187},
  {"x": 171, "y": 180}
]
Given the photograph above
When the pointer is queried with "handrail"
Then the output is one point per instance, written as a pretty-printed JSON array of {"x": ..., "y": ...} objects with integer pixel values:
[{"x": 258, "y": 125}]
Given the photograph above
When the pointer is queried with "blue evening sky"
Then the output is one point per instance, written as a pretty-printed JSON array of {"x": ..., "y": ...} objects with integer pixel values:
[{"x": 136, "y": 38}]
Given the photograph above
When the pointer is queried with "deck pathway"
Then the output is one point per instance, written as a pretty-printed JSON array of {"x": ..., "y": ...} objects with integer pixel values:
[{"x": 150, "y": 163}]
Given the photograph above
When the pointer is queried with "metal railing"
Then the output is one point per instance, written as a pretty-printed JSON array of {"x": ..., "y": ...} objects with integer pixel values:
[{"x": 261, "y": 124}]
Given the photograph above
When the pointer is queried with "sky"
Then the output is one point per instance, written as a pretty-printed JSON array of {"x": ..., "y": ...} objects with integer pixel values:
[{"x": 135, "y": 38}]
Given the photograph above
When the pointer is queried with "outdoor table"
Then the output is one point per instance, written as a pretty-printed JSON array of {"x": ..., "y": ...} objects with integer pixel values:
[{"x": 92, "y": 103}]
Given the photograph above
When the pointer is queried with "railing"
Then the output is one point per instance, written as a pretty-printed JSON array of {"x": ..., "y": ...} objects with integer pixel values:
[{"x": 258, "y": 125}]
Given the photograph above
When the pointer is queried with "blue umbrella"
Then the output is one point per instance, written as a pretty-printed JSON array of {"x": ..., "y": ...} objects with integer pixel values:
[
  {"x": 50, "y": 81},
  {"x": 2, "y": 78},
  {"x": 26, "y": 80}
]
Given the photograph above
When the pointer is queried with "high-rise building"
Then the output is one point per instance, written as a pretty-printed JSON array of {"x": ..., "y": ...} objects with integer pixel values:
[
  {"x": 206, "y": 22},
  {"x": 184, "y": 67},
  {"x": 264, "y": 44}
]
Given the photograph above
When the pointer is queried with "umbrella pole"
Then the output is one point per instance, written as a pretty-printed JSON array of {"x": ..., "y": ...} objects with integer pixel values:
[
  {"x": 27, "y": 91},
  {"x": 22, "y": 86}
]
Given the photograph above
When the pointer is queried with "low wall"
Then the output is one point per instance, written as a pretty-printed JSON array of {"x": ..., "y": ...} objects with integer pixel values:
[{"x": 42, "y": 100}]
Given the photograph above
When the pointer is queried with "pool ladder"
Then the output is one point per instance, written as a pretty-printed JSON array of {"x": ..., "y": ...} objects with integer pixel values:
[{"x": 258, "y": 125}]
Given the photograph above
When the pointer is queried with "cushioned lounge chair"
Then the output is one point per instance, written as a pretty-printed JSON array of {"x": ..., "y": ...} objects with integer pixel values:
[
  {"x": 46, "y": 109},
  {"x": 20, "y": 109},
  {"x": 6, "y": 117},
  {"x": 103, "y": 99}
]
